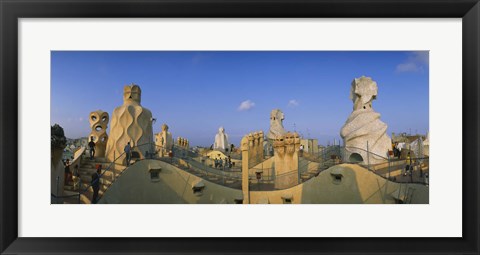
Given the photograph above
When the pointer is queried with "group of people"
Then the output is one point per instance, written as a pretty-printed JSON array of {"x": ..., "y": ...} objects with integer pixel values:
[
  {"x": 71, "y": 176},
  {"x": 397, "y": 150},
  {"x": 75, "y": 178},
  {"x": 95, "y": 180},
  {"x": 410, "y": 161},
  {"x": 219, "y": 162},
  {"x": 411, "y": 164}
]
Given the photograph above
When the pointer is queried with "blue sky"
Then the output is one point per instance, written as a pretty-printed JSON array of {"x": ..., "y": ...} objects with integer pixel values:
[{"x": 195, "y": 92}]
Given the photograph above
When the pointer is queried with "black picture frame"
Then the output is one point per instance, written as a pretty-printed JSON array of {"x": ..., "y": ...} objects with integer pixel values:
[{"x": 11, "y": 11}]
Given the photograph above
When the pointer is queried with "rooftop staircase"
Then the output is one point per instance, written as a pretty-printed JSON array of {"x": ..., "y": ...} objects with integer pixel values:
[{"x": 87, "y": 168}]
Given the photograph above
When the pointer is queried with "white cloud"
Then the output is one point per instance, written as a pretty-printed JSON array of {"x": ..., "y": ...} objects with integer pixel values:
[
  {"x": 416, "y": 62},
  {"x": 246, "y": 105},
  {"x": 408, "y": 67},
  {"x": 293, "y": 103}
]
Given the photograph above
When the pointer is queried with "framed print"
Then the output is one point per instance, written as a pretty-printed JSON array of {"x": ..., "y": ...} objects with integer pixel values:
[{"x": 239, "y": 127}]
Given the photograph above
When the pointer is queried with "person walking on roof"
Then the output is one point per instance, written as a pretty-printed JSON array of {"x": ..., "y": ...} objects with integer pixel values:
[{"x": 96, "y": 183}]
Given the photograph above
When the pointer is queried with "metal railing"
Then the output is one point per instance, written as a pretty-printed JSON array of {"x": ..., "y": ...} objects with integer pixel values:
[
  {"x": 262, "y": 176},
  {"x": 232, "y": 177},
  {"x": 417, "y": 172},
  {"x": 316, "y": 163},
  {"x": 180, "y": 158},
  {"x": 388, "y": 169}
]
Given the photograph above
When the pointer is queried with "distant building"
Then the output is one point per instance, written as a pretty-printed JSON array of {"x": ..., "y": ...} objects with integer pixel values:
[
  {"x": 405, "y": 138},
  {"x": 310, "y": 145},
  {"x": 418, "y": 144}
]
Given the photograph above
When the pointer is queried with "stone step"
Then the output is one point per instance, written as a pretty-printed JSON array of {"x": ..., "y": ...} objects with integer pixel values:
[
  {"x": 305, "y": 176},
  {"x": 86, "y": 178},
  {"x": 84, "y": 185},
  {"x": 103, "y": 181},
  {"x": 86, "y": 171},
  {"x": 68, "y": 187},
  {"x": 90, "y": 189},
  {"x": 106, "y": 181},
  {"x": 96, "y": 159},
  {"x": 86, "y": 197},
  {"x": 103, "y": 184},
  {"x": 94, "y": 165},
  {"x": 108, "y": 173},
  {"x": 93, "y": 170}
]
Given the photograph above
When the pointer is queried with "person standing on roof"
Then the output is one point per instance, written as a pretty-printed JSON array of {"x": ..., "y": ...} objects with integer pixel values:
[
  {"x": 91, "y": 145},
  {"x": 96, "y": 183},
  {"x": 128, "y": 153}
]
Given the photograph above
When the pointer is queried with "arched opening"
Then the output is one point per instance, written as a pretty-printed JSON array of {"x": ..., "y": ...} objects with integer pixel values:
[
  {"x": 355, "y": 158},
  {"x": 336, "y": 178}
]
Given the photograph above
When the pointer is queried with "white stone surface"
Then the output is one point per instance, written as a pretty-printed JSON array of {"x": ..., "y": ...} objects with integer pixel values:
[
  {"x": 221, "y": 140},
  {"x": 276, "y": 124},
  {"x": 427, "y": 140},
  {"x": 417, "y": 147},
  {"x": 364, "y": 125},
  {"x": 363, "y": 91}
]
